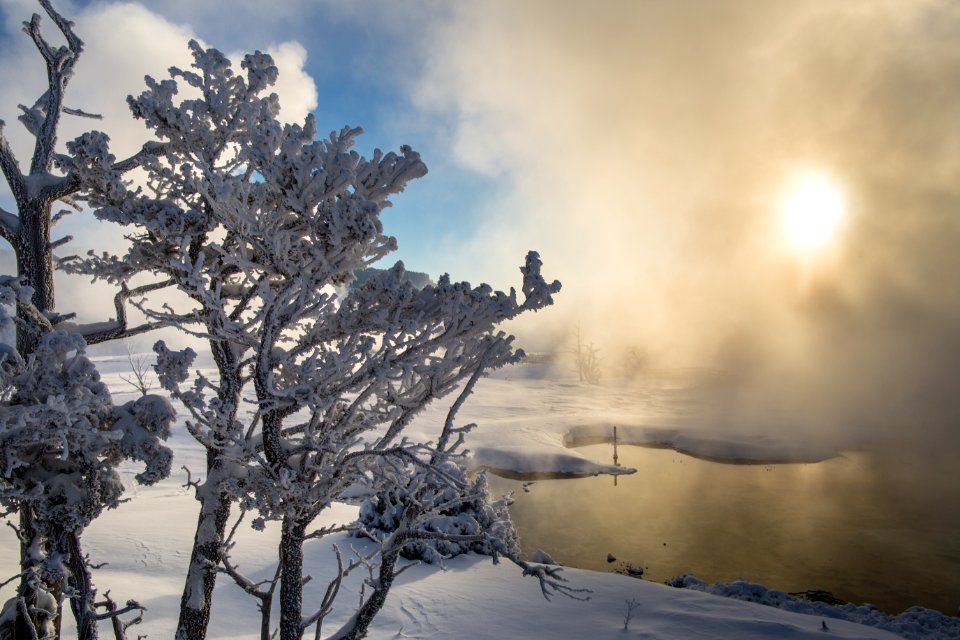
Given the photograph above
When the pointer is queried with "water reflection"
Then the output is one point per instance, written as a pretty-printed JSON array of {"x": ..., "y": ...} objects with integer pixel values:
[{"x": 862, "y": 526}]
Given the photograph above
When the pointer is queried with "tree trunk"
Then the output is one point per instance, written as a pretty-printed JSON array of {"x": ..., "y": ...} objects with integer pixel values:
[
  {"x": 266, "y": 604},
  {"x": 82, "y": 602},
  {"x": 371, "y": 607},
  {"x": 26, "y": 626},
  {"x": 35, "y": 263},
  {"x": 197, "y": 599},
  {"x": 291, "y": 578}
]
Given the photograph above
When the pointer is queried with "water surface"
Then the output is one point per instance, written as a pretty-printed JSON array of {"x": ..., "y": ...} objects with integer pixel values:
[{"x": 879, "y": 527}]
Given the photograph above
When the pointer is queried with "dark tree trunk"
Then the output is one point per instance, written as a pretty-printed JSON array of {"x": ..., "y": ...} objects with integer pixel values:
[
  {"x": 291, "y": 578},
  {"x": 25, "y": 626},
  {"x": 35, "y": 263},
  {"x": 82, "y": 602},
  {"x": 266, "y": 604},
  {"x": 197, "y": 599},
  {"x": 371, "y": 607}
]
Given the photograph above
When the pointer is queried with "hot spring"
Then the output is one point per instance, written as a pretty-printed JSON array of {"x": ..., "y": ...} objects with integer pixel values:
[{"x": 875, "y": 526}]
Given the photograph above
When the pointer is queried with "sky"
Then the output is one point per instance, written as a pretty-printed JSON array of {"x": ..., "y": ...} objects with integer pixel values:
[{"x": 645, "y": 149}]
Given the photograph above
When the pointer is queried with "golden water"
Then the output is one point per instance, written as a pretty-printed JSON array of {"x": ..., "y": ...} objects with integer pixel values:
[{"x": 880, "y": 527}]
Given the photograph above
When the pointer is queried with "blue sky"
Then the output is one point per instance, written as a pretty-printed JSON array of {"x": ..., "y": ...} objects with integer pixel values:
[{"x": 365, "y": 72}]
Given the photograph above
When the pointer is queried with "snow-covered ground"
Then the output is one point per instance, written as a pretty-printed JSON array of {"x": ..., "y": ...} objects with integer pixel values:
[{"x": 525, "y": 416}]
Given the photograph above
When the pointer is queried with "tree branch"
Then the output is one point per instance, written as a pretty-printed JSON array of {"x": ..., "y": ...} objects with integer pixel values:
[
  {"x": 9, "y": 226},
  {"x": 60, "y": 64},
  {"x": 11, "y": 170},
  {"x": 59, "y": 243},
  {"x": 464, "y": 394},
  {"x": 118, "y": 327},
  {"x": 66, "y": 185}
]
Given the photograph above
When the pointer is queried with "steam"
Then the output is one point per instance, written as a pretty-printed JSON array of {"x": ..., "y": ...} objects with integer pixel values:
[{"x": 642, "y": 149}]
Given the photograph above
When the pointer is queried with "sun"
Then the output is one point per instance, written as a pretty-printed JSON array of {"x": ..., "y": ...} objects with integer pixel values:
[{"x": 811, "y": 212}]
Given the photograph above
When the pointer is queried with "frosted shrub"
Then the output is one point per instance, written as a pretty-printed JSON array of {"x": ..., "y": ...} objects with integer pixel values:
[
  {"x": 61, "y": 439},
  {"x": 451, "y": 515}
]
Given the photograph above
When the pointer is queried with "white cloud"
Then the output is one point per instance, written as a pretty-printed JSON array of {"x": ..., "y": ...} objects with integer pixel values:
[
  {"x": 124, "y": 41},
  {"x": 297, "y": 91}
]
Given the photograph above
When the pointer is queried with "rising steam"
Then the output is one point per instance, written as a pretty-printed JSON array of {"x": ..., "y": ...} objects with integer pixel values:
[{"x": 643, "y": 148}]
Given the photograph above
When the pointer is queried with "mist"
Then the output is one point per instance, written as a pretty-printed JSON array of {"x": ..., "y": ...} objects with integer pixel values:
[{"x": 643, "y": 148}]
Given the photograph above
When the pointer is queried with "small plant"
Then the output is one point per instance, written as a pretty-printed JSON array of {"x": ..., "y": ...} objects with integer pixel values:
[{"x": 632, "y": 605}]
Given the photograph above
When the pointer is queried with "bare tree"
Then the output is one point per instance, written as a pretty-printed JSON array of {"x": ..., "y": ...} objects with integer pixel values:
[
  {"x": 586, "y": 359},
  {"x": 141, "y": 376}
]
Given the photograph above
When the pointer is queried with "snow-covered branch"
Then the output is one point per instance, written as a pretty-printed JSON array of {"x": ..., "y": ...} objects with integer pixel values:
[
  {"x": 118, "y": 328},
  {"x": 11, "y": 172},
  {"x": 60, "y": 63},
  {"x": 9, "y": 225}
]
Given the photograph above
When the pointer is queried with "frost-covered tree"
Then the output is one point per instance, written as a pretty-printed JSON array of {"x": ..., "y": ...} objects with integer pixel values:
[
  {"x": 258, "y": 224},
  {"x": 46, "y": 180},
  {"x": 35, "y": 190},
  {"x": 61, "y": 438}
]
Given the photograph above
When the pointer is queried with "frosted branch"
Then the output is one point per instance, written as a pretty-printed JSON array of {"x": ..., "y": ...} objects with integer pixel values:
[
  {"x": 551, "y": 582},
  {"x": 132, "y": 605},
  {"x": 59, "y": 243},
  {"x": 60, "y": 63},
  {"x": 195, "y": 484},
  {"x": 448, "y": 424},
  {"x": 118, "y": 328},
  {"x": 11, "y": 170},
  {"x": 82, "y": 114},
  {"x": 12, "y": 579},
  {"x": 9, "y": 226}
]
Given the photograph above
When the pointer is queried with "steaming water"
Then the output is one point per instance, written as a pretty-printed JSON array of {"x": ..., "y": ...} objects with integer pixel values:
[{"x": 878, "y": 527}]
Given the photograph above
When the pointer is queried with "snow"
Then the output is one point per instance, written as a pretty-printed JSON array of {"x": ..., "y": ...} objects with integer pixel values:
[
  {"x": 525, "y": 413},
  {"x": 533, "y": 461},
  {"x": 753, "y": 448},
  {"x": 531, "y": 414}
]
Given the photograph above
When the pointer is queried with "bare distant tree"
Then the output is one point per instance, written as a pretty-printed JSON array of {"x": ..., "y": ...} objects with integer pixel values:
[
  {"x": 586, "y": 360},
  {"x": 141, "y": 375}
]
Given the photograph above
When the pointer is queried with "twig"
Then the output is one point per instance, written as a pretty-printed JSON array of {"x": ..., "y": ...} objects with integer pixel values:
[{"x": 190, "y": 482}]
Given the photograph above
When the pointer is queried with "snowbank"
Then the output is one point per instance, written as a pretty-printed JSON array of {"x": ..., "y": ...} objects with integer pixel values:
[
  {"x": 754, "y": 448},
  {"x": 915, "y": 622},
  {"x": 536, "y": 461}
]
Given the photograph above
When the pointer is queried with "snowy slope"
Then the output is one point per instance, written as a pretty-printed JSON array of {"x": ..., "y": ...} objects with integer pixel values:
[{"x": 525, "y": 418}]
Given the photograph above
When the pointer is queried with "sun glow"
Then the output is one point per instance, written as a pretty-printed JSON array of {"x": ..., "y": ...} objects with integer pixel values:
[{"x": 811, "y": 212}]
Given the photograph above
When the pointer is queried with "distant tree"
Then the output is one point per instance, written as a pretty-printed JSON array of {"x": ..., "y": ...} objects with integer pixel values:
[
  {"x": 257, "y": 224},
  {"x": 141, "y": 377},
  {"x": 586, "y": 360},
  {"x": 416, "y": 278}
]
